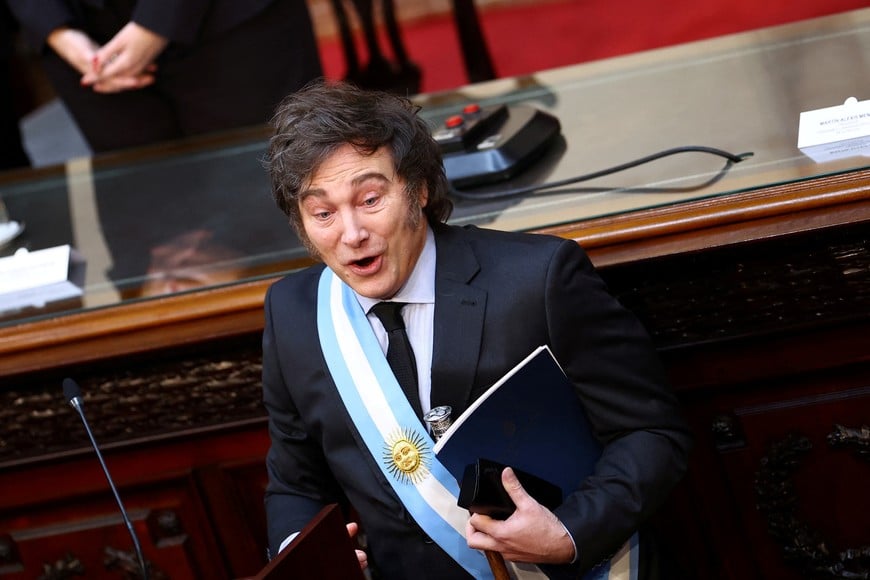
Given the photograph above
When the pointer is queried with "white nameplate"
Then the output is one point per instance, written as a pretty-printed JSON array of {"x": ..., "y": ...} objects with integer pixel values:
[
  {"x": 32, "y": 279},
  {"x": 836, "y": 132}
]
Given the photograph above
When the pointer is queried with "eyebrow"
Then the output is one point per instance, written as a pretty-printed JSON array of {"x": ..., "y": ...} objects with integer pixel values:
[{"x": 355, "y": 182}]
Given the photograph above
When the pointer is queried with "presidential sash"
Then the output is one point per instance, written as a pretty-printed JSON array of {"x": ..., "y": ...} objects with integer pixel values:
[{"x": 397, "y": 440}]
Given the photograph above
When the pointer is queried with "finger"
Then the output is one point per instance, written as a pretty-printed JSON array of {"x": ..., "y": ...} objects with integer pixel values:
[
  {"x": 515, "y": 489},
  {"x": 113, "y": 58},
  {"x": 97, "y": 75},
  {"x": 108, "y": 87},
  {"x": 122, "y": 69},
  {"x": 105, "y": 62},
  {"x": 144, "y": 81},
  {"x": 363, "y": 559},
  {"x": 352, "y": 529},
  {"x": 361, "y": 556},
  {"x": 116, "y": 66},
  {"x": 483, "y": 542},
  {"x": 108, "y": 52},
  {"x": 93, "y": 72},
  {"x": 118, "y": 84},
  {"x": 482, "y": 523},
  {"x": 478, "y": 540}
]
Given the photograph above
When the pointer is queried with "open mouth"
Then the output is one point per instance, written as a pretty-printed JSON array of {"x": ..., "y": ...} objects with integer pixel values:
[{"x": 364, "y": 263}]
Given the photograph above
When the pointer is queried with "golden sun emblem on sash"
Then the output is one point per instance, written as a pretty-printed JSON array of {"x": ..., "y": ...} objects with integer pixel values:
[{"x": 406, "y": 456}]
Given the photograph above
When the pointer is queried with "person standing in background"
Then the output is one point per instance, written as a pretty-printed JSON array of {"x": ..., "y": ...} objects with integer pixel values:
[
  {"x": 12, "y": 153},
  {"x": 135, "y": 72}
]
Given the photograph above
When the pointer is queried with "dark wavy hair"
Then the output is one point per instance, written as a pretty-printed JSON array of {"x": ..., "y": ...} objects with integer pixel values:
[{"x": 314, "y": 122}]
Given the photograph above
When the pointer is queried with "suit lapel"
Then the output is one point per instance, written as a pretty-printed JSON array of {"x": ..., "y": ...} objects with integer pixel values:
[{"x": 459, "y": 310}]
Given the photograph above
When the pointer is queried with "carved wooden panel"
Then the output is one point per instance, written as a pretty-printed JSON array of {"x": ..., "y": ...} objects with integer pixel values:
[
  {"x": 807, "y": 279},
  {"x": 83, "y": 535},
  {"x": 795, "y": 482},
  {"x": 765, "y": 342},
  {"x": 132, "y": 398}
]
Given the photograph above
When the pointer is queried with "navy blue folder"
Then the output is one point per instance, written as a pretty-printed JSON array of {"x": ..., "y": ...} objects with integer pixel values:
[{"x": 532, "y": 420}]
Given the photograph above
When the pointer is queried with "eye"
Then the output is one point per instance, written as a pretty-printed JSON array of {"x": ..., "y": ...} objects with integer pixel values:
[
  {"x": 371, "y": 200},
  {"x": 319, "y": 214}
]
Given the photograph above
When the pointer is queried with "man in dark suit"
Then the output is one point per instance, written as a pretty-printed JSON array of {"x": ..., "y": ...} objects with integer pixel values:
[
  {"x": 361, "y": 180},
  {"x": 135, "y": 72}
]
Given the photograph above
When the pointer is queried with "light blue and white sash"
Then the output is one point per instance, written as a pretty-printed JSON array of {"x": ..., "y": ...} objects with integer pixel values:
[{"x": 397, "y": 440}]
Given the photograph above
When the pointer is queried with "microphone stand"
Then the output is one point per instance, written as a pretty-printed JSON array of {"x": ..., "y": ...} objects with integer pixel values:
[{"x": 73, "y": 394}]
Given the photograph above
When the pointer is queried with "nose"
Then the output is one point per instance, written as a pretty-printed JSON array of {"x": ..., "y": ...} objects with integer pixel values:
[{"x": 354, "y": 232}]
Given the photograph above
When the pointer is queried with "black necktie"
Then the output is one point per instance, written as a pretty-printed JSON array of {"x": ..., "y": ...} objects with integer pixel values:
[{"x": 399, "y": 352}]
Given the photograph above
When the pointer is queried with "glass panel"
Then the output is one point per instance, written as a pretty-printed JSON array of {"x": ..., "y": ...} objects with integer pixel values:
[
  {"x": 203, "y": 216},
  {"x": 742, "y": 93}
]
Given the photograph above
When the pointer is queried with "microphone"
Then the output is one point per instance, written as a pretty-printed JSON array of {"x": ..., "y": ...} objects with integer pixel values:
[{"x": 73, "y": 395}]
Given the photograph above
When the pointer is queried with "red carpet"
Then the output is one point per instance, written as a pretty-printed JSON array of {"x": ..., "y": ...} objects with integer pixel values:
[{"x": 527, "y": 38}]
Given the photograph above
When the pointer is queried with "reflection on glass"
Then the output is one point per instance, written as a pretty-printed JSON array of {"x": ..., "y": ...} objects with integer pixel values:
[
  {"x": 9, "y": 229},
  {"x": 188, "y": 261}
]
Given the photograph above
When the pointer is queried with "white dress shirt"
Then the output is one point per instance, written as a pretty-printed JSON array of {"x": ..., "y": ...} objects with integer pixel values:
[{"x": 419, "y": 315}]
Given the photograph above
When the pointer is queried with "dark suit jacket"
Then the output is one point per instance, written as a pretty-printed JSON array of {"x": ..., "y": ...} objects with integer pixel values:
[{"x": 497, "y": 296}]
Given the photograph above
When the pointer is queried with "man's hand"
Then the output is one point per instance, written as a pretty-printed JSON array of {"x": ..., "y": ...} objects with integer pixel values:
[
  {"x": 352, "y": 529},
  {"x": 126, "y": 62},
  {"x": 531, "y": 534},
  {"x": 73, "y": 46}
]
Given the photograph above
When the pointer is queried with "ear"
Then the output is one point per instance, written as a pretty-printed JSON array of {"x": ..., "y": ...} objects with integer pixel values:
[{"x": 423, "y": 197}]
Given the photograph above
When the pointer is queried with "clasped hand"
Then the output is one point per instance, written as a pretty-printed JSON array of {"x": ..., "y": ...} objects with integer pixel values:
[
  {"x": 124, "y": 63},
  {"x": 531, "y": 534}
]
